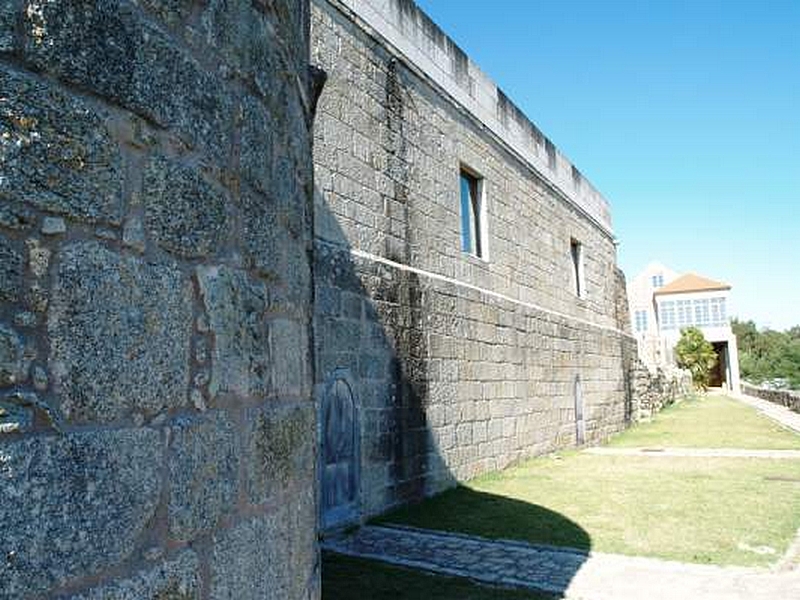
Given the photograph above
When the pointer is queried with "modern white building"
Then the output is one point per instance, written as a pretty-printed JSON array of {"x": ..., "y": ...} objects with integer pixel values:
[{"x": 662, "y": 302}]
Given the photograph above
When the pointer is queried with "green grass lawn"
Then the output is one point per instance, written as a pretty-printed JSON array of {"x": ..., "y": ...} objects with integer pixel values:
[
  {"x": 345, "y": 578},
  {"x": 704, "y": 510},
  {"x": 709, "y": 422},
  {"x": 687, "y": 509}
]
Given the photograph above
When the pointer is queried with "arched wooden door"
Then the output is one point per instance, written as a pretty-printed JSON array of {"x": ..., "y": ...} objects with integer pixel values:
[{"x": 339, "y": 449}]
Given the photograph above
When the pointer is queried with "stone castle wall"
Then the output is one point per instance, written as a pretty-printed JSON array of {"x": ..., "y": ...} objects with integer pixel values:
[
  {"x": 156, "y": 421},
  {"x": 460, "y": 365}
]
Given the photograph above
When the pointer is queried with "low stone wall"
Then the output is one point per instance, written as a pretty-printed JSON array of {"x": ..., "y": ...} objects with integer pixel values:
[
  {"x": 156, "y": 419},
  {"x": 654, "y": 390},
  {"x": 787, "y": 398}
]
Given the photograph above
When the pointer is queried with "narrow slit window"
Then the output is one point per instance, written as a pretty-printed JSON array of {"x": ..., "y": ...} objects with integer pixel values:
[
  {"x": 471, "y": 215},
  {"x": 576, "y": 253}
]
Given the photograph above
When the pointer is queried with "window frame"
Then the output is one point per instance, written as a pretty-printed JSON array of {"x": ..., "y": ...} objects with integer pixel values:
[
  {"x": 478, "y": 246},
  {"x": 641, "y": 319},
  {"x": 668, "y": 315},
  {"x": 577, "y": 259}
]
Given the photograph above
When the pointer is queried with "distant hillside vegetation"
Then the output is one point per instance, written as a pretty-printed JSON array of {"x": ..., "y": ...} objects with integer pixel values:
[{"x": 768, "y": 357}]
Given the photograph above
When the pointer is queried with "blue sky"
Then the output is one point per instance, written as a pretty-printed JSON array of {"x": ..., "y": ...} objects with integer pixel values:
[{"x": 685, "y": 114}]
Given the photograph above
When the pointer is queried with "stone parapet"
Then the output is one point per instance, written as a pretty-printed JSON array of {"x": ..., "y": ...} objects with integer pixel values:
[{"x": 407, "y": 30}]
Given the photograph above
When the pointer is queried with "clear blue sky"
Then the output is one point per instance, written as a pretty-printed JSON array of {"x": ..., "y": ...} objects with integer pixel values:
[{"x": 685, "y": 114}]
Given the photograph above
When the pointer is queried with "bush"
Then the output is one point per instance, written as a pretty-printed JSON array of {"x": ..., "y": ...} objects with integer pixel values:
[{"x": 695, "y": 353}]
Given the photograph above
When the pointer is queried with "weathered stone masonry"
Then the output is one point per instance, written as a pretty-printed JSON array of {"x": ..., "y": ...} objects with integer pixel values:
[
  {"x": 456, "y": 364},
  {"x": 156, "y": 419}
]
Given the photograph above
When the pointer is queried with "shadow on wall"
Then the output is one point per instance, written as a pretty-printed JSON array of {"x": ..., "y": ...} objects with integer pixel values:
[
  {"x": 371, "y": 382},
  {"x": 374, "y": 388}
]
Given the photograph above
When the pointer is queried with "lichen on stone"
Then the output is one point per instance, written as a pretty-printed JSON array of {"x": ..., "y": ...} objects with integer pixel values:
[
  {"x": 119, "y": 329},
  {"x": 184, "y": 213},
  {"x": 280, "y": 448}
]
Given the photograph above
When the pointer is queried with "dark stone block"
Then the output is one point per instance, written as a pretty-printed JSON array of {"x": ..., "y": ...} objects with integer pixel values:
[
  {"x": 280, "y": 449},
  {"x": 119, "y": 331},
  {"x": 249, "y": 42},
  {"x": 270, "y": 557},
  {"x": 184, "y": 213},
  {"x": 175, "y": 579},
  {"x": 260, "y": 134},
  {"x": 10, "y": 357},
  {"x": 58, "y": 155},
  {"x": 277, "y": 249},
  {"x": 203, "y": 473},
  {"x": 14, "y": 215},
  {"x": 12, "y": 271},
  {"x": 172, "y": 13},
  {"x": 9, "y": 13},
  {"x": 106, "y": 47},
  {"x": 74, "y": 505}
]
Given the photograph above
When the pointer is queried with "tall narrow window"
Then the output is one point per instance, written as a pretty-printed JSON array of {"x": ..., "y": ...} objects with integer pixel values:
[
  {"x": 576, "y": 253},
  {"x": 641, "y": 320},
  {"x": 472, "y": 234}
]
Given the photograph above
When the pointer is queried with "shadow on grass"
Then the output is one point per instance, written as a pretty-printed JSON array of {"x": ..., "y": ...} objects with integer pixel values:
[
  {"x": 345, "y": 578},
  {"x": 471, "y": 512}
]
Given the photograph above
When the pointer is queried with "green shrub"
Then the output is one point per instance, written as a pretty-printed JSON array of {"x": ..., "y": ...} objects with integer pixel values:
[{"x": 695, "y": 353}]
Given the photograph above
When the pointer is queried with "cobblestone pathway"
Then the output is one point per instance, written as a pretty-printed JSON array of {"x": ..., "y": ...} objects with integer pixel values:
[
  {"x": 577, "y": 575},
  {"x": 698, "y": 452},
  {"x": 504, "y": 563}
]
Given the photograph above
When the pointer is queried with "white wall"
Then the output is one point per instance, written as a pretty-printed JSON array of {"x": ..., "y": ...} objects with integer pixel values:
[{"x": 640, "y": 297}]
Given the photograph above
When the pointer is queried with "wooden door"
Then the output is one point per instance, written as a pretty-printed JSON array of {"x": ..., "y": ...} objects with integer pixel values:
[
  {"x": 339, "y": 449},
  {"x": 580, "y": 424}
]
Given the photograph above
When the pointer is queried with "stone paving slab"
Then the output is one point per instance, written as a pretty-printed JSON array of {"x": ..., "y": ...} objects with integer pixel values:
[
  {"x": 776, "y": 412},
  {"x": 577, "y": 575},
  {"x": 696, "y": 452},
  {"x": 494, "y": 562}
]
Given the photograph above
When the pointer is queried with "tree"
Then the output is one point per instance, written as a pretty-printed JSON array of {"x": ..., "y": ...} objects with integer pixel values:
[
  {"x": 695, "y": 353},
  {"x": 768, "y": 355}
]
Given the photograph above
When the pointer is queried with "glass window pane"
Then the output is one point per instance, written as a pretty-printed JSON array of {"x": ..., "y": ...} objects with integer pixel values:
[
  {"x": 475, "y": 205},
  {"x": 576, "y": 253},
  {"x": 466, "y": 213}
]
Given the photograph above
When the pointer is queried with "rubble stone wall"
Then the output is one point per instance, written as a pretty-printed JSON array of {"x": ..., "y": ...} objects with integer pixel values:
[
  {"x": 788, "y": 398},
  {"x": 156, "y": 419},
  {"x": 655, "y": 390}
]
